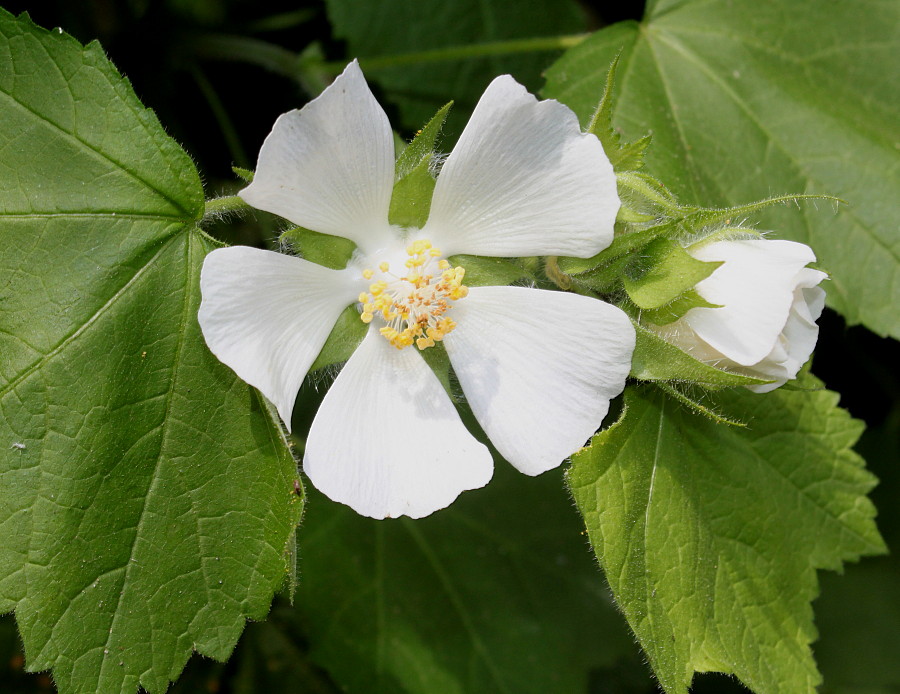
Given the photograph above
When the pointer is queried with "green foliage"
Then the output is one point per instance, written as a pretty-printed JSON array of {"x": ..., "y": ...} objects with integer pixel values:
[
  {"x": 746, "y": 98},
  {"x": 394, "y": 27},
  {"x": 497, "y": 593},
  {"x": 710, "y": 536},
  {"x": 146, "y": 497}
]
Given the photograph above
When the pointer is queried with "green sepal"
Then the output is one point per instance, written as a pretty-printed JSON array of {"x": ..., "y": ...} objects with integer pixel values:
[
  {"x": 704, "y": 217},
  {"x": 675, "y": 309},
  {"x": 645, "y": 198},
  {"x": 662, "y": 273},
  {"x": 411, "y": 198},
  {"x": 482, "y": 271},
  {"x": 342, "y": 341},
  {"x": 439, "y": 362},
  {"x": 657, "y": 360},
  {"x": 246, "y": 175},
  {"x": 422, "y": 145},
  {"x": 698, "y": 407},
  {"x": 323, "y": 249},
  {"x": 623, "y": 156},
  {"x": 624, "y": 243}
]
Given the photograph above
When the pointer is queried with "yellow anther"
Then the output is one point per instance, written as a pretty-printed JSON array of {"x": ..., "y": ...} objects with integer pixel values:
[
  {"x": 367, "y": 273},
  {"x": 414, "y": 308}
]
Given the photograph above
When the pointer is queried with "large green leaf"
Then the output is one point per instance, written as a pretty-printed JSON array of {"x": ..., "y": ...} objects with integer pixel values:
[
  {"x": 497, "y": 593},
  {"x": 746, "y": 99},
  {"x": 389, "y": 27},
  {"x": 146, "y": 496},
  {"x": 710, "y": 536}
]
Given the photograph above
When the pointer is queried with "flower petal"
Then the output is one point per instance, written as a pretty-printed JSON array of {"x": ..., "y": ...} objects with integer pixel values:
[
  {"x": 523, "y": 180},
  {"x": 755, "y": 289},
  {"x": 266, "y": 315},
  {"x": 387, "y": 441},
  {"x": 798, "y": 339},
  {"x": 329, "y": 167},
  {"x": 539, "y": 368}
]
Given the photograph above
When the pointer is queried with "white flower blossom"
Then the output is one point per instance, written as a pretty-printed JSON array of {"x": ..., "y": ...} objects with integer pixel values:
[
  {"x": 768, "y": 304},
  {"x": 537, "y": 367}
]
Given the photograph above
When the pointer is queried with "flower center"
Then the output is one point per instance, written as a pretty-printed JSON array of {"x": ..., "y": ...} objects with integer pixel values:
[{"x": 414, "y": 307}]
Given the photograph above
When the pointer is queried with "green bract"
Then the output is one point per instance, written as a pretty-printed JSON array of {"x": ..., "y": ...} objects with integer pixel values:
[{"x": 147, "y": 503}]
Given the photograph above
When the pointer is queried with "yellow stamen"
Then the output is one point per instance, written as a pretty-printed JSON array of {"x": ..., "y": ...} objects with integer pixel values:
[{"x": 414, "y": 307}]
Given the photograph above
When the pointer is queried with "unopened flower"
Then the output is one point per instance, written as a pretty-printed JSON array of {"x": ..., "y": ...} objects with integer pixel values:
[
  {"x": 768, "y": 303},
  {"x": 537, "y": 367}
]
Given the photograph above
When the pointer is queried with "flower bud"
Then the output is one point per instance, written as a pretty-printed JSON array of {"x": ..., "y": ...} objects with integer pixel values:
[{"x": 766, "y": 306}]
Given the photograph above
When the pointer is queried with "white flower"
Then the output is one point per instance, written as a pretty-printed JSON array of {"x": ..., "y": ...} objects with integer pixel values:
[
  {"x": 769, "y": 303},
  {"x": 537, "y": 367}
]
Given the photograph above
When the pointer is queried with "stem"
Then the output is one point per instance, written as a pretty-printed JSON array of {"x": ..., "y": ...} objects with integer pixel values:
[
  {"x": 555, "y": 274},
  {"x": 219, "y": 206},
  {"x": 297, "y": 66},
  {"x": 220, "y": 113},
  {"x": 477, "y": 50},
  {"x": 246, "y": 50}
]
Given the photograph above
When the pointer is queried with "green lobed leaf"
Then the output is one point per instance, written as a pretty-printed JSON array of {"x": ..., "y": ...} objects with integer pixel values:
[
  {"x": 746, "y": 99},
  {"x": 710, "y": 536},
  {"x": 495, "y": 594},
  {"x": 380, "y": 28},
  {"x": 662, "y": 272},
  {"x": 145, "y": 492}
]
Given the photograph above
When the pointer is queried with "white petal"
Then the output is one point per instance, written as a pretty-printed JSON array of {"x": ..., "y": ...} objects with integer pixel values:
[
  {"x": 539, "y": 368},
  {"x": 798, "y": 339},
  {"x": 755, "y": 288},
  {"x": 329, "y": 167},
  {"x": 523, "y": 180},
  {"x": 387, "y": 441},
  {"x": 267, "y": 315}
]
